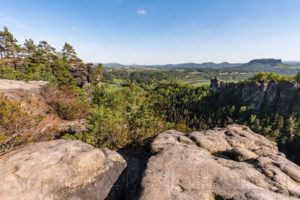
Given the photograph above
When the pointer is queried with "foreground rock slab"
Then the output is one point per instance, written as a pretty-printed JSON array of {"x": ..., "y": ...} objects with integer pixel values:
[
  {"x": 6, "y": 84},
  {"x": 230, "y": 163},
  {"x": 58, "y": 170}
]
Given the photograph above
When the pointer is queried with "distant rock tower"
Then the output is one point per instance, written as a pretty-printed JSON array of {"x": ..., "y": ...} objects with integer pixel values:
[{"x": 214, "y": 85}]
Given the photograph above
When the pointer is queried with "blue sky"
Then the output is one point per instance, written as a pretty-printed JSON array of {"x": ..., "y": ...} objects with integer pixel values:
[{"x": 160, "y": 31}]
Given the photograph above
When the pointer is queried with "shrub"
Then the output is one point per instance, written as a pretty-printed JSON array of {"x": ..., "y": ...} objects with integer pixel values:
[
  {"x": 7, "y": 72},
  {"x": 38, "y": 72},
  {"x": 66, "y": 102},
  {"x": 297, "y": 77},
  {"x": 14, "y": 122},
  {"x": 267, "y": 76}
]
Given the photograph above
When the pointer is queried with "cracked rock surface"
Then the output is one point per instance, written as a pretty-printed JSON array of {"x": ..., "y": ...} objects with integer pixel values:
[{"x": 229, "y": 163}]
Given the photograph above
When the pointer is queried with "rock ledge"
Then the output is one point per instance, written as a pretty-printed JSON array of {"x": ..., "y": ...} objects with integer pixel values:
[{"x": 229, "y": 163}]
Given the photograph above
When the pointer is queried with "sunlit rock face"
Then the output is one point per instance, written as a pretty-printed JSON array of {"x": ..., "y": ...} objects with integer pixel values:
[
  {"x": 81, "y": 72},
  {"x": 281, "y": 97},
  {"x": 59, "y": 170},
  {"x": 228, "y": 163}
]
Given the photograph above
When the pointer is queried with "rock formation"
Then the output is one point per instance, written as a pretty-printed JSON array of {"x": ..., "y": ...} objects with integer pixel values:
[
  {"x": 57, "y": 170},
  {"x": 81, "y": 72},
  {"x": 281, "y": 97},
  {"x": 8, "y": 86},
  {"x": 228, "y": 163}
]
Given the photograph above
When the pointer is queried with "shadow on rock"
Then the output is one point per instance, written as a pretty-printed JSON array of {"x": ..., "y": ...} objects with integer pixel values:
[{"x": 128, "y": 187}]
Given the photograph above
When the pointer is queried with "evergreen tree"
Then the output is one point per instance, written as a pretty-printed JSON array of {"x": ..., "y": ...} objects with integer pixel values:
[
  {"x": 29, "y": 47},
  {"x": 69, "y": 53},
  {"x": 60, "y": 69},
  {"x": 10, "y": 44}
]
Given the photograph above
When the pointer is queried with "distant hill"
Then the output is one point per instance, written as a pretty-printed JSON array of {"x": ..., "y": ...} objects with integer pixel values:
[
  {"x": 271, "y": 62},
  {"x": 113, "y": 65},
  {"x": 268, "y": 65},
  {"x": 181, "y": 65},
  {"x": 293, "y": 63},
  {"x": 256, "y": 65}
]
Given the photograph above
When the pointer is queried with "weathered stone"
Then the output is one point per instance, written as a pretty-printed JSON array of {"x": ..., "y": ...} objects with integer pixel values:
[
  {"x": 240, "y": 154},
  {"x": 286, "y": 98},
  {"x": 7, "y": 86},
  {"x": 229, "y": 163},
  {"x": 57, "y": 170},
  {"x": 281, "y": 97},
  {"x": 271, "y": 92},
  {"x": 81, "y": 72},
  {"x": 253, "y": 95}
]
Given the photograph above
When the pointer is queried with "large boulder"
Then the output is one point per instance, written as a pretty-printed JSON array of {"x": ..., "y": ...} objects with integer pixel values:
[
  {"x": 229, "y": 163},
  {"x": 59, "y": 170},
  {"x": 17, "y": 89}
]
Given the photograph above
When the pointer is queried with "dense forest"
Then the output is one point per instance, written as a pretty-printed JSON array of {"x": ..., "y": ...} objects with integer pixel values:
[{"x": 126, "y": 107}]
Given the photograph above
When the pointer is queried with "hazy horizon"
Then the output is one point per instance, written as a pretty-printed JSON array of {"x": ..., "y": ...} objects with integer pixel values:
[{"x": 161, "y": 32}]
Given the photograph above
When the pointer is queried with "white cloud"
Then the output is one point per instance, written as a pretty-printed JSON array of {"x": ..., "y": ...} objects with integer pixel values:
[
  {"x": 141, "y": 11},
  {"x": 5, "y": 20}
]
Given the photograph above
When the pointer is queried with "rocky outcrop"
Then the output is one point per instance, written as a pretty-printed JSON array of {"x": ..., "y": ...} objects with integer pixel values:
[
  {"x": 228, "y": 163},
  {"x": 21, "y": 85},
  {"x": 59, "y": 169},
  {"x": 81, "y": 72},
  {"x": 280, "y": 97},
  {"x": 253, "y": 95}
]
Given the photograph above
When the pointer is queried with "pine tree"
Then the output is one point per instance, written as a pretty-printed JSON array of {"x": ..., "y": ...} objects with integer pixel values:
[
  {"x": 29, "y": 47},
  {"x": 69, "y": 53}
]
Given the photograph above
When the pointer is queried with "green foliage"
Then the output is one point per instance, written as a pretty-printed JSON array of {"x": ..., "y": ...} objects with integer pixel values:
[
  {"x": 29, "y": 46},
  {"x": 60, "y": 69},
  {"x": 8, "y": 44},
  {"x": 39, "y": 72},
  {"x": 120, "y": 116},
  {"x": 9, "y": 113},
  {"x": 106, "y": 128},
  {"x": 41, "y": 62},
  {"x": 297, "y": 77},
  {"x": 14, "y": 121},
  {"x": 96, "y": 75},
  {"x": 7, "y": 72},
  {"x": 267, "y": 76},
  {"x": 68, "y": 52}
]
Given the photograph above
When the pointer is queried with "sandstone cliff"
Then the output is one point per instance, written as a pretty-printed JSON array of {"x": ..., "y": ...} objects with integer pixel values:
[
  {"x": 280, "y": 97},
  {"x": 80, "y": 71}
]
